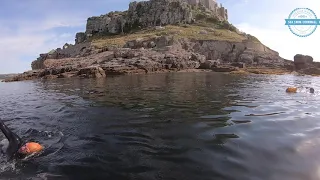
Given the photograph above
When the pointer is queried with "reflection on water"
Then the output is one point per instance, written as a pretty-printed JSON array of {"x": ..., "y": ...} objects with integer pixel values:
[{"x": 166, "y": 126}]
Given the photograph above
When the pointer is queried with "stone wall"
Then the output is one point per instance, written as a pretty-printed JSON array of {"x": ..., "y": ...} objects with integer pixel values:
[
  {"x": 223, "y": 12},
  {"x": 211, "y": 4}
]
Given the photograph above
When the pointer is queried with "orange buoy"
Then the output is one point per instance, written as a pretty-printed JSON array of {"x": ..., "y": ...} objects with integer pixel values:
[
  {"x": 291, "y": 90},
  {"x": 31, "y": 147}
]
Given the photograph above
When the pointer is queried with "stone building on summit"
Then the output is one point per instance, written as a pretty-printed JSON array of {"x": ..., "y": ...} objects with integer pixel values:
[{"x": 212, "y": 5}]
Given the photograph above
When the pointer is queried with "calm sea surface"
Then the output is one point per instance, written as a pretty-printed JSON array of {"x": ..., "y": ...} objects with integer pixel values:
[{"x": 184, "y": 126}]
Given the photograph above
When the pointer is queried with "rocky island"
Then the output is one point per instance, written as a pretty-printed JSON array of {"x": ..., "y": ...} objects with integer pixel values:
[{"x": 163, "y": 36}]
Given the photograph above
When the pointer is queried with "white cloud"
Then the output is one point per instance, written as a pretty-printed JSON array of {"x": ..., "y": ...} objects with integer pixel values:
[
  {"x": 20, "y": 45},
  {"x": 15, "y": 49},
  {"x": 283, "y": 41},
  {"x": 268, "y": 25}
]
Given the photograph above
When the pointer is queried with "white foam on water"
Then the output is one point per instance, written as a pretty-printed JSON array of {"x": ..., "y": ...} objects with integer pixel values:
[
  {"x": 4, "y": 145},
  {"x": 4, "y": 165},
  {"x": 7, "y": 166},
  {"x": 48, "y": 175},
  {"x": 29, "y": 156}
]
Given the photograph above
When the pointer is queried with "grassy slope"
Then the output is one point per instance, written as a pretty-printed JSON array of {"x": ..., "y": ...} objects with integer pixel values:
[{"x": 183, "y": 31}]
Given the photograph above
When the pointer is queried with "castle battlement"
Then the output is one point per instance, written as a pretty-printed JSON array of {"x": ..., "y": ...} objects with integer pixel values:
[{"x": 213, "y": 6}]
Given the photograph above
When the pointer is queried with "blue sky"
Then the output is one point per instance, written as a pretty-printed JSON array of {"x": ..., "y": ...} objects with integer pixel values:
[{"x": 31, "y": 27}]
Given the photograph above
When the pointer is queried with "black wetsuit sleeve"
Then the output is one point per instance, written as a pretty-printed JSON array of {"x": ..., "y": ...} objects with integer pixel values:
[{"x": 15, "y": 141}]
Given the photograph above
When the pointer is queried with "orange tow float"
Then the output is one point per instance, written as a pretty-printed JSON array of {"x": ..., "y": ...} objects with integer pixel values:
[{"x": 291, "y": 90}]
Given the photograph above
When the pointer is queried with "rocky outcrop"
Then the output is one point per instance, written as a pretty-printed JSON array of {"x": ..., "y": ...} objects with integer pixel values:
[
  {"x": 310, "y": 71},
  {"x": 302, "y": 61},
  {"x": 59, "y": 72},
  {"x": 111, "y": 23},
  {"x": 154, "y": 54},
  {"x": 209, "y": 64},
  {"x": 157, "y": 51},
  {"x": 70, "y": 51},
  {"x": 289, "y": 65},
  {"x": 304, "y": 64},
  {"x": 29, "y": 75},
  {"x": 248, "y": 52},
  {"x": 159, "y": 12},
  {"x": 80, "y": 37}
]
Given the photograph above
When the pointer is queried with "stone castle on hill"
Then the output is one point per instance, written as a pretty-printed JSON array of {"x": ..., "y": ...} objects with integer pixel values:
[{"x": 212, "y": 5}]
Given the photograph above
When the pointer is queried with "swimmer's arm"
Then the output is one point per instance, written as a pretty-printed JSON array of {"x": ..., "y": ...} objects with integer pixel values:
[{"x": 6, "y": 131}]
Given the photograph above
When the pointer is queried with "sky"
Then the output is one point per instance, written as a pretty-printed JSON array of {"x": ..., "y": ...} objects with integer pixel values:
[{"x": 31, "y": 27}]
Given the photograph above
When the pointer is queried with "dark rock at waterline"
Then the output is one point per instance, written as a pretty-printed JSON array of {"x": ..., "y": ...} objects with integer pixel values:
[
  {"x": 225, "y": 69},
  {"x": 311, "y": 90},
  {"x": 302, "y": 61},
  {"x": 310, "y": 71},
  {"x": 209, "y": 64}
]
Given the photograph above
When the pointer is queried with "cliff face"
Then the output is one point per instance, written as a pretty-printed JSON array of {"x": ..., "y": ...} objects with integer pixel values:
[
  {"x": 140, "y": 14},
  {"x": 159, "y": 12},
  {"x": 248, "y": 52}
]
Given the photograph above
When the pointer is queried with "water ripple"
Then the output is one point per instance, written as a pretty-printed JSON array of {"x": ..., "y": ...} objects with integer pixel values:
[{"x": 166, "y": 126}]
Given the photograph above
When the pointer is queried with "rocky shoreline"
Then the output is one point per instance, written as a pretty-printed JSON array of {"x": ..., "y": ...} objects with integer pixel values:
[
  {"x": 95, "y": 72},
  {"x": 191, "y": 39},
  {"x": 103, "y": 72},
  {"x": 98, "y": 71}
]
